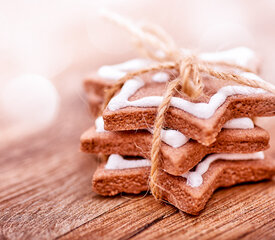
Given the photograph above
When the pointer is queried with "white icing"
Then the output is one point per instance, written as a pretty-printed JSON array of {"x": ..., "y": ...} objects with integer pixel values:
[
  {"x": 200, "y": 110},
  {"x": 239, "y": 123},
  {"x": 132, "y": 65},
  {"x": 116, "y": 161},
  {"x": 194, "y": 178},
  {"x": 128, "y": 89},
  {"x": 160, "y": 77},
  {"x": 109, "y": 72},
  {"x": 240, "y": 56},
  {"x": 160, "y": 54},
  {"x": 99, "y": 125},
  {"x": 172, "y": 137},
  {"x": 115, "y": 72}
]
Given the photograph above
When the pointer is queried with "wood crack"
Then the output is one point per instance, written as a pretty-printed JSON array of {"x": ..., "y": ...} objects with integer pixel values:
[
  {"x": 100, "y": 215},
  {"x": 148, "y": 225}
]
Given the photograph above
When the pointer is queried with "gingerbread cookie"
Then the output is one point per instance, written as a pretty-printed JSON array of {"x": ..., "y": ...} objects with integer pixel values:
[
  {"x": 188, "y": 193},
  {"x": 179, "y": 154},
  {"x": 135, "y": 107}
]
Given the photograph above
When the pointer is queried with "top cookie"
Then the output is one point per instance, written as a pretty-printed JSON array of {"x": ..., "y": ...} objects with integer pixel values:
[{"x": 135, "y": 105}]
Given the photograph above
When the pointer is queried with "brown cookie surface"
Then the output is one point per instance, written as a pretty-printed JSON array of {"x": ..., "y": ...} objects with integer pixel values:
[
  {"x": 94, "y": 87},
  {"x": 175, "y": 190},
  {"x": 175, "y": 161}
]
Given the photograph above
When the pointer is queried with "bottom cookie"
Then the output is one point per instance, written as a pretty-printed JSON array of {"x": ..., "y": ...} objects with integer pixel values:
[{"x": 174, "y": 189}]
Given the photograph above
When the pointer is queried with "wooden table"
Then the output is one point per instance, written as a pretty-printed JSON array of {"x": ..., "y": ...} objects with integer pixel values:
[{"x": 45, "y": 192}]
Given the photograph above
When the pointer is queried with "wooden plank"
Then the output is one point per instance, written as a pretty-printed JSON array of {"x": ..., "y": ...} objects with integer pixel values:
[
  {"x": 45, "y": 193},
  {"x": 124, "y": 222},
  {"x": 46, "y": 199},
  {"x": 231, "y": 213},
  {"x": 45, "y": 188}
]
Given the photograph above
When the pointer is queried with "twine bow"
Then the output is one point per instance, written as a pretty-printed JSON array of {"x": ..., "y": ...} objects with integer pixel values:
[{"x": 153, "y": 42}]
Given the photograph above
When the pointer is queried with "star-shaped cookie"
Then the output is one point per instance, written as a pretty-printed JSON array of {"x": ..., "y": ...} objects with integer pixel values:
[
  {"x": 177, "y": 156},
  {"x": 175, "y": 189},
  {"x": 135, "y": 106}
]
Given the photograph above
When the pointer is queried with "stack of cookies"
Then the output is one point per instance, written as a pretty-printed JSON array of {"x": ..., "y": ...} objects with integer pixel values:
[{"x": 207, "y": 142}]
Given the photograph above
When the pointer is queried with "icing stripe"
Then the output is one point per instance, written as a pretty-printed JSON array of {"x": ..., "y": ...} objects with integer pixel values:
[
  {"x": 194, "y": 178},
  {"x": 99, "y": 125},
  {"x": 239, "y": 123},
  {"x": 116, "y": 161},
  {"x": 115, "y": 72},
  {"x": 160, "y": 77},
  {"x": 241, "y": 56},
  {"x": 200, "y": 110}
]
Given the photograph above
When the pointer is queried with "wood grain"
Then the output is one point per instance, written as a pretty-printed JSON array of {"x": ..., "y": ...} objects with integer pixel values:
[{"x": 45, "y": 193}]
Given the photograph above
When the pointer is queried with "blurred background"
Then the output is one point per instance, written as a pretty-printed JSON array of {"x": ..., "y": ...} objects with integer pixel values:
[{"x": 42, "y": 40}]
